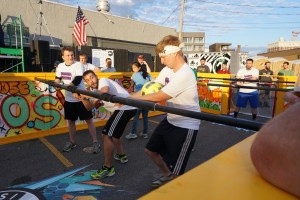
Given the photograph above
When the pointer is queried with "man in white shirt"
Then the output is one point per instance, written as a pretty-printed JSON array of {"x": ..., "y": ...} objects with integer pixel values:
[
  {"x": 172, "y": 141},
  {"x": 115, "y": 125},
  {"x": 87, "y": 66},
  {"x": 70, "y": 73},
  {"x": 245, "y": 95}
]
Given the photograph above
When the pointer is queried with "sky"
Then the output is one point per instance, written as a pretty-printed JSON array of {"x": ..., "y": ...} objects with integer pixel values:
[{"x": 253, "y": 24}]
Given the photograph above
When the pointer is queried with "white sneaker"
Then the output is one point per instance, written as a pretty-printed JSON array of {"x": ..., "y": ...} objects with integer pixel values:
[{"x": 131, "y": 136}]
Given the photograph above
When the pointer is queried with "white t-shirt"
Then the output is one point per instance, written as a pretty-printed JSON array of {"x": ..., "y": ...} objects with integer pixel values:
[
  {"x": 182, "y": 86},
  {"x": 67, "y": 75},
  {"x": 114, "y": 89},
  {"x": 247, "y": 75},
  {"x": 89, "y": 66}
]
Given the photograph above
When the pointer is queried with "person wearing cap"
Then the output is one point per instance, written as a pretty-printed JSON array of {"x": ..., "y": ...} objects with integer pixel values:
[
  {"x": 56, "y": 63},
  {"x": 173, "y": 139},
  {"x": 142, "y": 61}
]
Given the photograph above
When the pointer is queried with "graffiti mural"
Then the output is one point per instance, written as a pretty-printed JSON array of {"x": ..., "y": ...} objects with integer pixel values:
[
  {"x": 214, "y": 60},
  {"x": 29, "y": 106},
  {"x": 75, "y": 184},
  {"x": 210, "y": 97}
]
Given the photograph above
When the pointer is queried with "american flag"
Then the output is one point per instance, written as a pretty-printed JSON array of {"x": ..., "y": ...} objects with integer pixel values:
[{"x": 79, "y": 31}]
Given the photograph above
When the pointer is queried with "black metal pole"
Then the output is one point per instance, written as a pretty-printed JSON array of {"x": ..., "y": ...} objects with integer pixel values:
[{"x": 251, "y": 125}]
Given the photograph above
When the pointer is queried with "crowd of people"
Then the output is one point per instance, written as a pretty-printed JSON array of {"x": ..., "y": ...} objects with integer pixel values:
[{"x": 171, "y": 143}]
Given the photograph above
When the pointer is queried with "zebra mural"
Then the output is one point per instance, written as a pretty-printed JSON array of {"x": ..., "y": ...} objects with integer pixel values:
[{"x": 214, "y": 60}]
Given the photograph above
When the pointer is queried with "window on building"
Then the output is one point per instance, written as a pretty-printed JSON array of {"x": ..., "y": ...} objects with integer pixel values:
[
  {"x": 187, "y": 40},
  {"x": 198, "y": 40},
  {"x": 188, "y": 48},
  {"x": 198, "y": 48}
]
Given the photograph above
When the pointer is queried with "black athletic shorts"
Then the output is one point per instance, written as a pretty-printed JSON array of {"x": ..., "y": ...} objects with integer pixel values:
[
  {"x": 73, "y": 110},
  {"x": 174, "y": 144},
  {"x": 116, "y": 124}
]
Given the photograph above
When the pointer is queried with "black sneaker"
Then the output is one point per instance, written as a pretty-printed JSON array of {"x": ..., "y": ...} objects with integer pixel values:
[{"x": 69, "y": 146}]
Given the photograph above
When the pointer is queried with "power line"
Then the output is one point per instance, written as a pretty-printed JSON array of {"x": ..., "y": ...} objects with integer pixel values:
[
  {"x": 248, "y": 5},
  {"x": 241, "y": 27},
  {"x": 171, "y": 14},
  {"x": 249, "y": 13}
]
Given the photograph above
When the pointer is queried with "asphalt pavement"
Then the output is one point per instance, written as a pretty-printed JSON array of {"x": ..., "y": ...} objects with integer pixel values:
[{"x": 40, "y": 164}]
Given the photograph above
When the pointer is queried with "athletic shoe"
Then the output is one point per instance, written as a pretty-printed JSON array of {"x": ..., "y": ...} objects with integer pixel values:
[
  {"x": 162, "y": 180},
  {"x": 103, "y": 172},
  {"x": 145, "y": 136},
  {"x": 131, "y": 136},
  {"x": 69, "y": 146},
  {"x": 96, "y": 147},
  {"x": 122, "y": 158}
]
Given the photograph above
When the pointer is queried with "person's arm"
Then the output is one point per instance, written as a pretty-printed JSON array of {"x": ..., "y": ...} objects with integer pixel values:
[
  {"x": 97, "y": 69},
  {"x": 275, "y": 150},
  {"x": 154, "y": 97}
]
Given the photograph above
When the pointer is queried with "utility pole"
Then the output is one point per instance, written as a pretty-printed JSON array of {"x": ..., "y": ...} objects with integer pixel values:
[{"x": 181, "y": 20}]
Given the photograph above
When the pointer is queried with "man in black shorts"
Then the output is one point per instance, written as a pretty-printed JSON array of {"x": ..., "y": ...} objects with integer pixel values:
[
  {"x": 70, "y": 73},
  {"x": 115, "y": 125}
]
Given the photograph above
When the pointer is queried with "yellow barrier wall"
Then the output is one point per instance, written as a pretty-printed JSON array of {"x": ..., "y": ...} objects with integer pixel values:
[
  {"x": 30, "y": 109},
  {"x": 213, "y": 99},
  {"x": 281, "y": 105}
]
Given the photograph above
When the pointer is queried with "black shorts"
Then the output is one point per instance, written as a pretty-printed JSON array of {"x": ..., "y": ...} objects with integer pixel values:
[
  {"x": 116, "y": 124},
  {"x": 174, "y": 144},
  {"x": 73, "y": 110}
]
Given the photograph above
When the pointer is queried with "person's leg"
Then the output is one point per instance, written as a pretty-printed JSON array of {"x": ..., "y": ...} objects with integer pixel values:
[
  {"x": 145, "y": 121},
  {"x": 240, "y": 103},
  {"x": 72, "y": 130},
  {"x": 92, "y": 129},
  {"x": 135, "y": 121},
  {"x": 119, "y": 146},
  {"x": 108, "y": 148},
  {"x": 156, "y": 146},
  {"x": 158, "y": 160},
  {"x": 253, "y": 99}
]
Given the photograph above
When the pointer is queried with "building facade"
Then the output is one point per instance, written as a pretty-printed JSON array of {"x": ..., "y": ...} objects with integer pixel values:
[
  {"x": 282, "y": 45},
  {"x": 54, "y": 22},
  {"x": 194, "y": 42}
]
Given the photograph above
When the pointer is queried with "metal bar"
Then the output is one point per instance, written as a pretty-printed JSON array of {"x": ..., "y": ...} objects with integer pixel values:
[
  {"x": 234, "y": 79},
  {"x": 248, "y": 87},
  {"x": 251, "y": 125}
]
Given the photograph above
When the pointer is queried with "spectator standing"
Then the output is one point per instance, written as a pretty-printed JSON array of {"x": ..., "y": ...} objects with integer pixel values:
[
  {"x": 244, "y": 94},
  {"x": 142, "y": 61},
  {"x": 265, "y": 75},
  {"x": 87, "y": 66},
  {"x": 286, "y": 71},
  {"x": 140, "y": 77},
  {"x": 224, "y": 69},
  {"x": 108, "y": 67},
  {"x": 203, "y": 68},
  {"x": 70, "y": 73}
]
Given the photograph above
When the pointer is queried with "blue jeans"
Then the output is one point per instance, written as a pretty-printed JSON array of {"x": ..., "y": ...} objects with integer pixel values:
[{"x": 136, "y": 120}]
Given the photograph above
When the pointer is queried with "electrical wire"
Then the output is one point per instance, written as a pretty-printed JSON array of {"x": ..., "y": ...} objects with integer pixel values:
[{"x": 248, "y": 5}]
